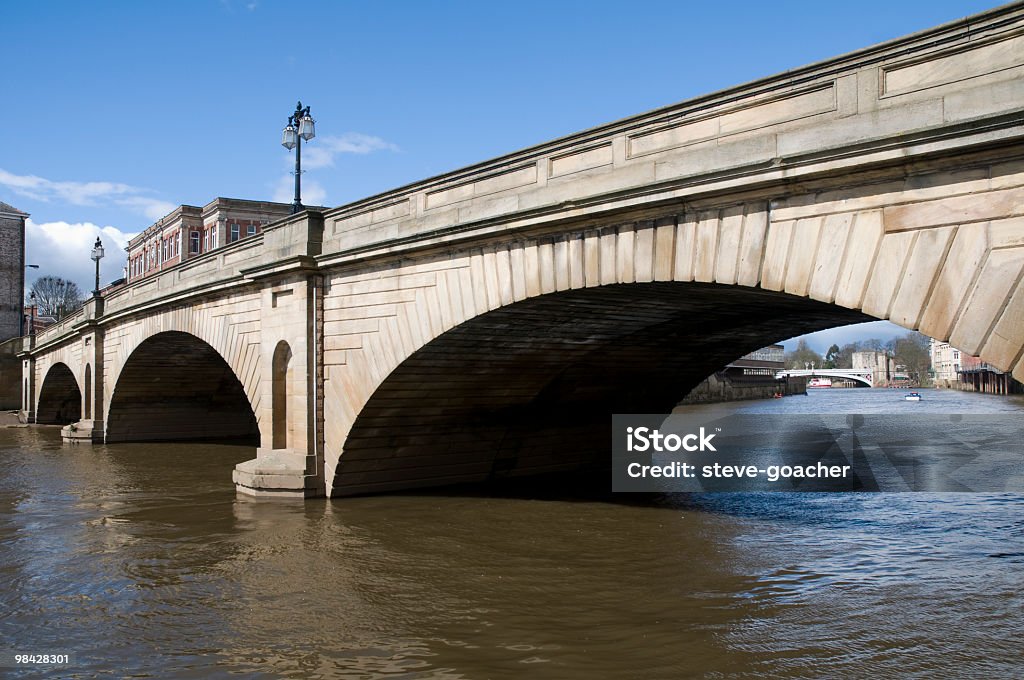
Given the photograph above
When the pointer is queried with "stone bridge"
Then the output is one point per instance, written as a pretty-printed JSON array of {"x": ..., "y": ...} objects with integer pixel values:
[{"x": 485, "y": 323}]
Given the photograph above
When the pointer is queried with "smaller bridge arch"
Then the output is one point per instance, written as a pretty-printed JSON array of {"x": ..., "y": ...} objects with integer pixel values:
[
  {"x": 60, "y": 397},
  {"x": 174, "y": 386}
]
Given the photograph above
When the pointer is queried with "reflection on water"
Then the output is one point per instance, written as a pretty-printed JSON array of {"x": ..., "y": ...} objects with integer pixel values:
[{"x": 140, "y": 559}]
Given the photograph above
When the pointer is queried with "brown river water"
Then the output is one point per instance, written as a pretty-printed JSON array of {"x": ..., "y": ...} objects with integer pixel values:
[{"x": 139, "y": 560}]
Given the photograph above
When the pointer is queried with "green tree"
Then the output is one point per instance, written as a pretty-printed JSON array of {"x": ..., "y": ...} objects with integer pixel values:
[{"x": 831, "y": 356}]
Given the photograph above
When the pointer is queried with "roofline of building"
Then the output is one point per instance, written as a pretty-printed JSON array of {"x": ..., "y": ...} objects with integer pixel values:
[
  {"x": 13, "y": 212},
  {"x": 186, "y": 210}
]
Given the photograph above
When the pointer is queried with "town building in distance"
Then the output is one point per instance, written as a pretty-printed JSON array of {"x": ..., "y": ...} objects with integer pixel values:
[
  {"x": 752, "y": 376},
  {"x": 756, "y": 365},
  {"x": 12, "y": 271},
  {"x": 945, "y": 361},
  {"x": 956, "y": 370},
  {"x": 884, "y": 371},
  {"x": 190, "y": 231}
]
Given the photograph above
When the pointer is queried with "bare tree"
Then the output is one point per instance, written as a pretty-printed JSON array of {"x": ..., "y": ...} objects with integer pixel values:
[
  {"x": 911, "y": 351},
  {"x": 56, "y": 297},
  {"x": 803, "y": 356}
]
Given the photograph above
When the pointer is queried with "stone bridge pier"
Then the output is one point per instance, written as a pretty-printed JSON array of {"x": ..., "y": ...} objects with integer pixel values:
[{"x": 486, "y": 323}]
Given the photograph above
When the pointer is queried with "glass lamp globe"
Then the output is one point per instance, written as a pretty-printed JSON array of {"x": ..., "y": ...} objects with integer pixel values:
[
  {"x": 288, "y": 139},
  {"x": 306, "y": 127}
]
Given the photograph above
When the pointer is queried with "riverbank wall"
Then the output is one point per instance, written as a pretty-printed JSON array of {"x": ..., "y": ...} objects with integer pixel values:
[
  {"x": 10, "y": 374},
  {"x": 719, "y": 388}
]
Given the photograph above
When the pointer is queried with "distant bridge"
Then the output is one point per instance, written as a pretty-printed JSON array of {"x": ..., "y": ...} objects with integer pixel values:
[{"x": 857, "y": 375}]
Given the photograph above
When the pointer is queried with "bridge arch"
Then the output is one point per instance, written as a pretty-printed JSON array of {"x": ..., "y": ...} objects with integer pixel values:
[
  {"x": 60, "y": 398},
  {"x": 780, "y": 268},
  {"x": 225, "y": 328},
  {"x": 860, "y": 378},
  {"x": 175, "y": 386}
]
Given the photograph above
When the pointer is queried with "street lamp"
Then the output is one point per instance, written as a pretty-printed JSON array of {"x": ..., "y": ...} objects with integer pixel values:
[
  {"x": 32, "y": 318},
  {"x": 97, "y": 255},
  {"x": 299, "y": 127},
  {"x": 21, "y": 329}
]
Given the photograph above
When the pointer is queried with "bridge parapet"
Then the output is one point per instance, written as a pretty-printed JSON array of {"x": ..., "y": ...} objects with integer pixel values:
[
  {"x": 59, "y": 330},
  {"x": 956, "y": 85}
]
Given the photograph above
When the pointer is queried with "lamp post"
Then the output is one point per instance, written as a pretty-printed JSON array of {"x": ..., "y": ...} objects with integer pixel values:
[
  {"x": 299, "y": 127},
  {"x": 21, "y": 329},
  {"x": 97, "y": 255},
  {"x": 32, "y": 315}
]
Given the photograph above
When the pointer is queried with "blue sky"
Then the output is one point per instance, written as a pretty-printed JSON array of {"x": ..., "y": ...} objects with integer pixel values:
[{"x": 118, "y": 111}]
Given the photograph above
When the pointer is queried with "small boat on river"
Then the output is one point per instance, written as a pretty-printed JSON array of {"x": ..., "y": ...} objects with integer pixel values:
[{"x": 913, "y": 396}]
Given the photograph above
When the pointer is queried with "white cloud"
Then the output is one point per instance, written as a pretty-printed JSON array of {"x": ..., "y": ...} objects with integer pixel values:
[
  {"x": 153, "y": 208},
  {"x": 321, "y": 152},
  {"x": 86, "y": 193},
  {"x": 62, "y": 249}
]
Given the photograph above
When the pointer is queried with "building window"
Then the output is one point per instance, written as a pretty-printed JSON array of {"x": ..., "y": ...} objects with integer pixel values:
[
  {"x": 163, "y": 249},
  {"x": 206, "y": 241},
  {"x": 216, "y": 237},
  {"x": 193, "y": 242},
  {"x": 250, "y": 230},
  {"x": 234, "y": 233}
]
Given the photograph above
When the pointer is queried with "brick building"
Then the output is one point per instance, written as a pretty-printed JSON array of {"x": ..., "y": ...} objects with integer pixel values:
[
  {"x": 12, "y": 270},
  {"x": 189, "y": 231}
]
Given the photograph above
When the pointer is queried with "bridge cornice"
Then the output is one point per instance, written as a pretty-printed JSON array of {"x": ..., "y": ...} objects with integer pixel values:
[{"x": 1005, "y": 142}]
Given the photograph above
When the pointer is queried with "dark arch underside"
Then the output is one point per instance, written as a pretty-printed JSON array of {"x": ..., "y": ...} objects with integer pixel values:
[
  {"x": 60, "y": 399},
  {"x": 175, "y": 387},
  {"x": 530, "y": 388}
]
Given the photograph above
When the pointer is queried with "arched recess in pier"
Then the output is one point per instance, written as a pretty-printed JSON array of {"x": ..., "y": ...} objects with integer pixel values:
[
  {"x": 282, "y": 392},
  {"x": 60, "y": 398},
  {"x": 175, "y": 386}
]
